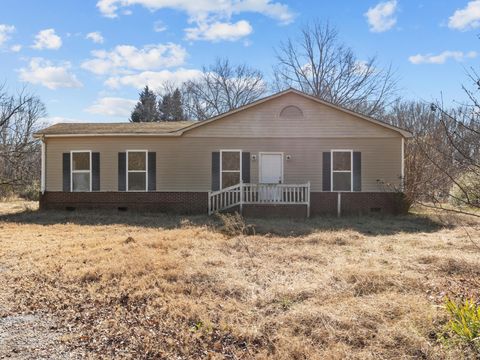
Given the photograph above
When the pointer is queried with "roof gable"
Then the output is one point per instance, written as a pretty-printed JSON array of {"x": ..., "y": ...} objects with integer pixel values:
[{"x": 292, "y": 114}]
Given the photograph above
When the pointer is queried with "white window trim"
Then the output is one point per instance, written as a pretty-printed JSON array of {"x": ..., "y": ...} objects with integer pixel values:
[
  {"x": 137, "y": 171},
  {"x": 341, "y": 171},
  {"x": 260, "y": 162},
  {"x": 80, "y": 171},
  {"x": 234, "y": 171}
]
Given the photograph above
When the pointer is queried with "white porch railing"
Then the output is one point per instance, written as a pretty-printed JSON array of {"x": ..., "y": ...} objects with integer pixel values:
[{"x": 275, "y": 194}]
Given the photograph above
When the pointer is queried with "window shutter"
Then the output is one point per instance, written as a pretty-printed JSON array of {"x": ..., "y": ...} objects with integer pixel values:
[
  {"x": 357, "y": 171},
  {"x": 152, "y": 171},
  {"x": 326, "y": 172},
  {"x": 96, "y": 171},
  {"x": 246, "y": 167},
  {"x": 122, "y": 171},
  {"x": 66, "y": 172},
  {"x": 215, "y": 171}
]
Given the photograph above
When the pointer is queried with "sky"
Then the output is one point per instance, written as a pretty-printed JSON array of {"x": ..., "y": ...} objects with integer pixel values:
[{"x": 88, "y": 59}]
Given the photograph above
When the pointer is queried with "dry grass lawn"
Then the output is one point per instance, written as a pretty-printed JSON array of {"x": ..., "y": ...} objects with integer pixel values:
[{"x": 123, "y": 285}]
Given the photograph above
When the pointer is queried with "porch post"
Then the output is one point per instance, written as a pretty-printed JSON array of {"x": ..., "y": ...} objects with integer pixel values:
[
  {"x": 241, "y": 196},
  {"x": 308, "y": 199},
  {"x": 209, "y": 203},
  {"x": 339, "y": 204}
]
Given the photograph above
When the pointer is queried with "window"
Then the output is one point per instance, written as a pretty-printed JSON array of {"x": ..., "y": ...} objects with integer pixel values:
[
  {"x": 292, "y": 112},
  {"x": 81, "y": 168},
  {"x": 341, "y": 170},
  {"x": 137, "y": 173},
  {"x": 230, "y": 167}
]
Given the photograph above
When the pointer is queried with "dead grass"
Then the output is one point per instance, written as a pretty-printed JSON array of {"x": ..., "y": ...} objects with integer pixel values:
[{"x": 156, "y": 286}]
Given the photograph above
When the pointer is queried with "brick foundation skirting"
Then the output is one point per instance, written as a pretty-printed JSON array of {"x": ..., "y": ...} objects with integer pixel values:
[
  {"x": 321, "y": 203},
  {"x": 175, "y": 202},
  {"x": 356, "y": 203},
  {"x": 271, "y": 211}
]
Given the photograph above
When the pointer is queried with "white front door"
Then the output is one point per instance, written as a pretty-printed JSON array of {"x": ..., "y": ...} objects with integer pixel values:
[{"x": 271, "y": 168}]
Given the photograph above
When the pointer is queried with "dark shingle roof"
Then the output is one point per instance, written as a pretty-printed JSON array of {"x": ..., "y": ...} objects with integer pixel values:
[{"x": 153, "y": 128}]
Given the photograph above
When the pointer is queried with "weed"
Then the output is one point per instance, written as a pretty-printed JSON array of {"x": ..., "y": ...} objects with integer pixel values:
[
  {"x": 464, "y": 321},
  {"x": 235, "y": 225}
]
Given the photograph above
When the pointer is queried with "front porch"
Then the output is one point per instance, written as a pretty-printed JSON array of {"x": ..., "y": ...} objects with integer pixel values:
[{"x": 259, "y": 194}]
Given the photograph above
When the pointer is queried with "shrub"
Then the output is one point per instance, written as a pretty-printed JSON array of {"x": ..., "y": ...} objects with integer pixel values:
[
  {"x": 234, "y": 225},
  {"x": 464, "y": 321},
  {"x": 402, "y": 203},
  {"x": 31, "y": 191},
  {"x": 6, "y": 192},
  {"x": 467, "y": 192}
]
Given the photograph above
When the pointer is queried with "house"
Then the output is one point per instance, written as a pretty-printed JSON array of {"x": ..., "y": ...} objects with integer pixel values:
[{"x": 288, "y": 153}]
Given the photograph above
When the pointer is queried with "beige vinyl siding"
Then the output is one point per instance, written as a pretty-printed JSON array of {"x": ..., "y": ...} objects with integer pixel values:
[
  {"x": 319, "y": 121},
  {"x": 184, "y": 163}
]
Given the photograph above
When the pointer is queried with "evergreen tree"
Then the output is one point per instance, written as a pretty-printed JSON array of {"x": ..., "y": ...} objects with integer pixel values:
[
  {"x": 146, "y": 108},
  {"x": 171, "y": 106},
  {"x": 177, "y": 106},
  {"x": 165, "y": 107}
]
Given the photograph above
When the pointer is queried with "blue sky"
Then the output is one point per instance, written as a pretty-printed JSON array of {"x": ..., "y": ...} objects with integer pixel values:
[{"x": 88, "y": 59}]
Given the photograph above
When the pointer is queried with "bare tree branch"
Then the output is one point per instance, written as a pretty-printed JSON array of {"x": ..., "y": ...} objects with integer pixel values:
[
  {"x": 222, "y": 87},
  {"x": 19, "y": 152},
  {"x": 318, "y": 64}
]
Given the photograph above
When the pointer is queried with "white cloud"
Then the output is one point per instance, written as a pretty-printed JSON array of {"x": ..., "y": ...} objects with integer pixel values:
[
  {"x": 204, "y": 8},
  {"x": 219, "y": 31},
  {"x": 154, "y": 79},
  {"x": 382, "y": 16},
  {"x": 47, "y": 39},
  {"x": 126, "y": 57},
  {"x": 466, "y": 18},
  {"x": 96, "y": 37},
  {"x": 43, "y": 72},
  {"x": 5, "y": 31},
  {"x": 442, "y": 57},
  {"x": 208, "y": 15},
  {"x": 112, "y": 106},
  {"x": 159, "y": 26},
  {"x": 15, "y": 48}
]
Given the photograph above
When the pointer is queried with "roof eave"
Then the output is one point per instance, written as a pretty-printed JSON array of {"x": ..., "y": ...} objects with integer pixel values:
[{"x": 46, "y": 135}]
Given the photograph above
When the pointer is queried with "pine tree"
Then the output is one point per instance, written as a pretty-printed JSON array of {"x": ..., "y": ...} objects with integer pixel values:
[
  {"x": 165, "y": 107},
  {"x": 146, "y": 108},
  {"x": 177, "y": 106},
  {"x": 171, "y": 106}
]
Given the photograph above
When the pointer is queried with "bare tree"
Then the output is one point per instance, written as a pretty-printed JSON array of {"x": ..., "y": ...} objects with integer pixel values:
[
  {"x": 19, "y": 152},
  {"x": 317, "y": 63},
  {"x": 457, "y": 157},
  {"x": 420, "y": 173},
  {"x": 442, "y": 162},
  {"x": 221, "y": 88}
]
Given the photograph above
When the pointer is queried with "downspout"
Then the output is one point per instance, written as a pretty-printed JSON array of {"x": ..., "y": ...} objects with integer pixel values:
[
  {"x": 42, "y": 176},
  {"x": 402, "y": 183}
]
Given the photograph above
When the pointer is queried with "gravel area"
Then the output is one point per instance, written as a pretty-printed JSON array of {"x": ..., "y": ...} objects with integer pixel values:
[{"x": 31, "y": 336}]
